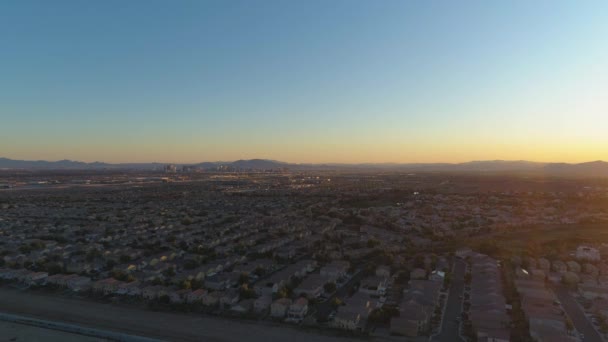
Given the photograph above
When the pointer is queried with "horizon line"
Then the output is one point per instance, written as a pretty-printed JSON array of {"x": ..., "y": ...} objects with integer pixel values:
[{"x": 307, "y": 163}]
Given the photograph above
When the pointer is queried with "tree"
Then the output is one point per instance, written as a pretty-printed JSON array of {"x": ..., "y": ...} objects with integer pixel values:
[
  {"x": 169, "y": 272},
  {"x": 243, "y": 279},
  {"x": 488, "y": 247},
  {"x": 329, "y": 287},
  {"x": 336, "y": 302},
  {"x": 447, "y": 280},
  {"x": 383, "y": 315},
  {"x": 403, "y": 277},
  {"x": 569, "y": 324},
  {"x": 53, "y": 268},
  {"x": 25, "y": 249},
  {"x": 196, "y": 284},
  {"x": 110, "y": 264},
  {"x": 190, "y": 264},
  {"x": 419, "y": 261},
  {"x": 246, "y": 293},
  {"x": 92, "y": 254},
  {"x": 259, "y": 271},
  {"x": 282, "y": 293},
  {"x": 467, "y": 278},
  {"x": 186, "y": 284}
]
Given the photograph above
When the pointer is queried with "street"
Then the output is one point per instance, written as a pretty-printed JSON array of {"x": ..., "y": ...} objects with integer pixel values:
[
  {"x": 581, "y": 323},
  {"x": 170, "y": 326},
  {"x": 450, "y": 327}
]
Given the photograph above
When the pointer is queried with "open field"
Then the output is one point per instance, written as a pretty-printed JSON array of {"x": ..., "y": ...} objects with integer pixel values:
[
  {"x": 167, "y": 326},
  {"x": 556, "y": 239}
]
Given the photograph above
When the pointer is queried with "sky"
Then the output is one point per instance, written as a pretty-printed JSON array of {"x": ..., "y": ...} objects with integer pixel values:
[{"x": 309, "y": 81}]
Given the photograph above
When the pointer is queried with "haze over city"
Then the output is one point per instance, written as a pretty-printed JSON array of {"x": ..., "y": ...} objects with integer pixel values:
[{"x": 313, "y": 81}]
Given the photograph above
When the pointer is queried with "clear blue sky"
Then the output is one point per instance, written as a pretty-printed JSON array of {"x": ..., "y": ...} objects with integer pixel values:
[{"x": 304, "y": 81}]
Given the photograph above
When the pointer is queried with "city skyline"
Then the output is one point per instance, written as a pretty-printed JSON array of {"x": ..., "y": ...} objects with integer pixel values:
[{"x": 304, "y": 82}]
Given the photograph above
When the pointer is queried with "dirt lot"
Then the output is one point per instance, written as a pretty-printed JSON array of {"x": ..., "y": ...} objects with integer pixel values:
[{"x": 167, "y": 326}]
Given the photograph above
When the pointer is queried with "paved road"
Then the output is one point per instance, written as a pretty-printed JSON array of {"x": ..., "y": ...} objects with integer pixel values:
[
  {"x": 172, "y": 327},
  {"x": 450, "y": 328},
  {"x": 577, "y": 315},
  {"x": 21, "y": 332},
  {"x": 73, "y": 329}
]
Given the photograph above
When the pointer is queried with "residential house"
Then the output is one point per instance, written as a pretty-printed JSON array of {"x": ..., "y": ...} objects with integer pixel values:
[
  {"x": 262, "y": 303},
  {"x": 278, "y": 308},
  {"x": 196, "y": 296},
  {"x": 211, "y": 298},
  {"x": 297, "y": 310},
  {"x": 243, "y": 307}
]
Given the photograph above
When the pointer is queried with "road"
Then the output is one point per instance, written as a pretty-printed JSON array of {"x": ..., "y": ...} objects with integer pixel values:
[
  {"x": 576, "y": 314},
  {"x": 20, "y": 332},
  {"x": 161, "y": 325},
  {"x": 450, "y": 328},
  {"x": 72, "y": 329}
]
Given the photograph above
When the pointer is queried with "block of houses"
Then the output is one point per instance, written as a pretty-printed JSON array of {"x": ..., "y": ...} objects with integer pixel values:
[{"x": 488, "y": 306}]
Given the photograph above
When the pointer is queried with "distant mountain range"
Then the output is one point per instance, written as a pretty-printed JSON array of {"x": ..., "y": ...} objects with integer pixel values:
[{"x": 589, "y": 169}]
